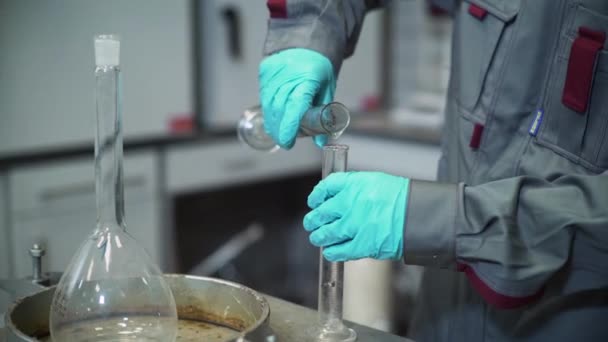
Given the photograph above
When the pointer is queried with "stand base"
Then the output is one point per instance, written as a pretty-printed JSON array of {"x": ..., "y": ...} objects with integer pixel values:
[{"x": 340, "y": 333}]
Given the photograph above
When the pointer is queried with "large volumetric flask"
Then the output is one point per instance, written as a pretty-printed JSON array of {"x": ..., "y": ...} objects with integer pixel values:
[
  {"x": 330, "y": 119},
  {"x": 111, "y": 290}
]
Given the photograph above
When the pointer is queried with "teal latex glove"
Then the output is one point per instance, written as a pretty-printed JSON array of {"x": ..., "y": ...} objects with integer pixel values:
[
  {"x": 358, "y": 215},
  {"x": 291, "y": 81}
]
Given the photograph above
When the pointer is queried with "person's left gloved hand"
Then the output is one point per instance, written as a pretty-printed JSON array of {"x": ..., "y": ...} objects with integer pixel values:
[{"x": 358, "y": 215}]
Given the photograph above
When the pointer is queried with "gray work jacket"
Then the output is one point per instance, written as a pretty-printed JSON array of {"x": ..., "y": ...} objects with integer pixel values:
[{"x": 514, "y": 237}]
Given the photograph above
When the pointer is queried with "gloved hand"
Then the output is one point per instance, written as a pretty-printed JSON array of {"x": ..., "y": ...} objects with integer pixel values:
[
  {"x": 291, "y": 81},
  {"x": 358, "y": 215}
]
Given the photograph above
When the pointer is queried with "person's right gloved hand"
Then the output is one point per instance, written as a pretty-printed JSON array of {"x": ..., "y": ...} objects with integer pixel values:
[{"x": 291, "y": 81}]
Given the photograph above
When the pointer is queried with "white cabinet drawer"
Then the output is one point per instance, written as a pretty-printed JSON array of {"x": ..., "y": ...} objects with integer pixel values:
[
  {"x": 403, "y": 158},
  {"x": 65, "y": 187},
  {"x": 54, "y": 205},
  {"x": 225, "y": 163},
  {"x": 62, "y": 235}
]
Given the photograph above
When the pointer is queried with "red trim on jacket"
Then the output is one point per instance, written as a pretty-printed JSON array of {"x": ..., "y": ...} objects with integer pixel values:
[
  {"x": 476, "y": 136},
  {"x": 277, "y": 8},
  {"x": 478, "y": 11},
  {"x": 492, "y": 297},
  {"x": 584, "y": 54}
]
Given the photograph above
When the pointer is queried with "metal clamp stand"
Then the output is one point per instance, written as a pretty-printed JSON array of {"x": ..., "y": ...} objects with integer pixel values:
[
  {"x": 38, "y": 281},
  {"x": 38, "y": 277}
]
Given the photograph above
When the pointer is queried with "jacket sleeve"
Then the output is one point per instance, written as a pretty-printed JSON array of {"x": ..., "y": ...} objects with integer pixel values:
[
  {"x": 509, "y": 236},
  {"x": 330, "y": 27}
]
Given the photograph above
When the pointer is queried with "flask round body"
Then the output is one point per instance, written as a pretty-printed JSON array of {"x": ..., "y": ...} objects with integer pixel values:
[{"x": 112, "y": 292}]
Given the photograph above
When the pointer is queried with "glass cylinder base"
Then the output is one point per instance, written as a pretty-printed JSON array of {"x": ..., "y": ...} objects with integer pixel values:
[{"x": 336, "y": 332}]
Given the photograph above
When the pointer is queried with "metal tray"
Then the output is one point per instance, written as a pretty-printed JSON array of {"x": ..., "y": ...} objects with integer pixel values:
[{"x": 209, "y": 310}]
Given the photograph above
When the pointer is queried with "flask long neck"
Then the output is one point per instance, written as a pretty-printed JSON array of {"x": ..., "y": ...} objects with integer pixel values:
[{"x": 108, "y": 148}]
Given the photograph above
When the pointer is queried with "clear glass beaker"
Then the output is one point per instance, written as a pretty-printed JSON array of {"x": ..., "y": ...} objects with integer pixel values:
[
  {"x": 331, "y": 327},
  {"x": 111, "y": 290},
  {"x": 330, "y": 119}
]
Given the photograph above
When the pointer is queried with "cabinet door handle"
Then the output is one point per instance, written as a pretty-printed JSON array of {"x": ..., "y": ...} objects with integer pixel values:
[
  {"x": 239, "y": 164},
  {"x": 232, "y": 18},
  {"x": 85, "y": 188}
]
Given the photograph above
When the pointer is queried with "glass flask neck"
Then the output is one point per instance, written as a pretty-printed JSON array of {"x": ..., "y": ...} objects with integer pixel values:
[{"x": 108, "y": 148}]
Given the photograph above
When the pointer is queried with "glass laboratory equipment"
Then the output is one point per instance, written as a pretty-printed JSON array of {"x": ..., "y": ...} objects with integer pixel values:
[
  {"x": 111, "y": 290},
  {"x": 330, "y": 119},
  {"x": 330, "y": 327}
]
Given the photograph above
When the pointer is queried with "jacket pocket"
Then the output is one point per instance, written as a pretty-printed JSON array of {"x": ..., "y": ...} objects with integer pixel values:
[
  {"x": 578, "y": 134},
  {"x": 482, "y": 26}
]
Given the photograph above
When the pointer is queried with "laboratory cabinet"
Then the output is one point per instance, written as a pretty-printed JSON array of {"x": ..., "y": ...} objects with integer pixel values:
[
  {"x": 237, "y": 214},
  {"x": 53, "y": 204},
  {"x": 228, "y": 162}
]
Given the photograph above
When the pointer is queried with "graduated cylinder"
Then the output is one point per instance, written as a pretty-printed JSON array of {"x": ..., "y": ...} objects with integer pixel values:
[{"x": 331, "y": 274}]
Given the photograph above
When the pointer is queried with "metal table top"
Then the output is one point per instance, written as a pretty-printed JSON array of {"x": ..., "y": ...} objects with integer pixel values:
[{"x": 290, "y": 323}]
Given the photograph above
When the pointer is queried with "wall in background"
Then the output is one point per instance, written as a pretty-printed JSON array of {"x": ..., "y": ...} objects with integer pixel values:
[
  {"x": 405, "y": 26},
  {"x": 46, "y": 69},
  {"x": 361, "y": 73}
]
